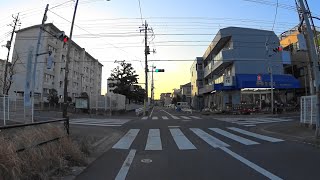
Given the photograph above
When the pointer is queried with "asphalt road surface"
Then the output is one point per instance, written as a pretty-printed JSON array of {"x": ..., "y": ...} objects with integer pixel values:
[{"x": 170, "y": 145}]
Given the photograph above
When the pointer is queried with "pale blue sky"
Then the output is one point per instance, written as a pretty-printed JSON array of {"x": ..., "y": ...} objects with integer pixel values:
[{"x": 165, "y": 17}]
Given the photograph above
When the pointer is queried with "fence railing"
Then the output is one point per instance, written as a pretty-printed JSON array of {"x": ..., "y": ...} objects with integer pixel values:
[{"x": 308, "y": 109}]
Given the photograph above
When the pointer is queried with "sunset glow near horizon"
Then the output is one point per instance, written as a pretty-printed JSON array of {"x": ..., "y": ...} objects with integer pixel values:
[{"x": 109, "y": 30}]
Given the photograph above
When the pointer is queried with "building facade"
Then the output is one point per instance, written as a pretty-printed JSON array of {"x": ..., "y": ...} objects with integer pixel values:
[
  {"x": 85, "y": 72},
  {"x": 294, "y": 43},
  {"x": 165, "y": 98},
  {"x": 236, "y": 60},
  {"x": 186, "y": 93},
  {"x": 196, "y": 71}
]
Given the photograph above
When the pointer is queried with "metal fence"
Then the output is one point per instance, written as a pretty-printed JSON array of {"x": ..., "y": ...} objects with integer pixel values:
[
  {"x": 12, "y": 110},
  {"x": 308, "y": 109}
]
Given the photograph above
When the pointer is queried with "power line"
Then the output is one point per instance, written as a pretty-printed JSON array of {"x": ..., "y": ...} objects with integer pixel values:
[
  {"x": 87, "y": 31},
  {"x": 275, "y": 15},
  {"x": 140, "y": 12}
]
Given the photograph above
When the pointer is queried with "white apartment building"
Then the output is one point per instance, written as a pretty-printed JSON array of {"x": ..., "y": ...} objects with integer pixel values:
[{"x": 84, "y": 70}]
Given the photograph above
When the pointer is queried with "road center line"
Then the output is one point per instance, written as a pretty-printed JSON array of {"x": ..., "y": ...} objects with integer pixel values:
[
  {"x": 126, "y": 165},
  {"x": 251, "y": 164}
]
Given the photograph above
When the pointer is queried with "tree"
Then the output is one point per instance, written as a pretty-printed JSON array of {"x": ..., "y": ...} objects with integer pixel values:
[
  {"x": 138, "y": 93},
  {"x": 11, "y": 71},
  {"x": 53, "y": 97},
  {"x": 125, "y": 77}
]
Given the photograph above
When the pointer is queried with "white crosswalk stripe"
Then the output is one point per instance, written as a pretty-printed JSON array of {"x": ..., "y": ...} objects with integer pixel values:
[
  {"x": 99, "y": 122},
  {"x": 144, "y": 118},
  {"x": 181, "y": 140},
  {"x": 259, "y": 136},
  {"x": 212, "y": 141},
  {"x": 153, "y": 140},
  {"x": 175, "y": 117},
  {"x": 250, "y": 122},
  {"x": 185, "y": 117},
  {"x": 154, "y": 118},
  {"x": 126, "y": 141},
  {"x": 195, "y": 117},
  {"x": 165, "y": 117},
  {"x": 233, "y": 136}
]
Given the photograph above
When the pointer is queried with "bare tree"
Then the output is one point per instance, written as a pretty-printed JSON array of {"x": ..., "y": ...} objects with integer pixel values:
[{"x": 10, "y": 73}]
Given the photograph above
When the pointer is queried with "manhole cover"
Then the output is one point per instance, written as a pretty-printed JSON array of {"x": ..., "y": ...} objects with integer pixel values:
[{"x": 147, "y": 161}]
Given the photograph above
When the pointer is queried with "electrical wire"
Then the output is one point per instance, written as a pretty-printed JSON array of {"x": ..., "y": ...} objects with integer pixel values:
[
  {"x": 140, "y": 11},
  {"x": 275, "y": 15}
]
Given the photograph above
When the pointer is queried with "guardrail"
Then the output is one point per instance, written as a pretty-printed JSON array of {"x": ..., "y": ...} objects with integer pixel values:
[{"x": 65, "y": 120}]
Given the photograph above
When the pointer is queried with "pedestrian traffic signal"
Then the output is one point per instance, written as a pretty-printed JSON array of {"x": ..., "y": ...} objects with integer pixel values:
[
  {"x": 278, "y": 49},
  {"x": 159, "y": 70}
]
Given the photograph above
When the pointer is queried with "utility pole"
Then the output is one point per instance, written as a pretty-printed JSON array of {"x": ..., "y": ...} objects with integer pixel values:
[
  {"x": 314, "y": 58},
  {"x": 146, "y": 52},
  {"x": 152, "y": 85},
  {"x": 36, "y": 57},
  {"x": 65, "y": 98},
  {"x": 15, "y": 21}
]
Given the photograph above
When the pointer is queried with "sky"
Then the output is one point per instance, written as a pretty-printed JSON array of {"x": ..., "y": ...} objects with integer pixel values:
[{"x": 182, "y": 29}]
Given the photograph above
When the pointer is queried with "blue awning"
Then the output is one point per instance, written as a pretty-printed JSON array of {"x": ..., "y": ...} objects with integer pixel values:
[{"x": 284, "y": 81}]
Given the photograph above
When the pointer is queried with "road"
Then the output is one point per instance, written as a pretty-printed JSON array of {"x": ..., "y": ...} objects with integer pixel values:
[{"x": 170, "y": 145}]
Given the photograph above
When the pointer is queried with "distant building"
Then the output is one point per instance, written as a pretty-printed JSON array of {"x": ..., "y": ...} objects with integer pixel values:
[
  {"x": 2, "y": 69},
  {"x": 84, "y": 70},
  {"x": 186, "y": 93},
  {"x": 237, "y": 60},
  {"x": 196, "y": 71},
  {"x": 165, "y": 98}
]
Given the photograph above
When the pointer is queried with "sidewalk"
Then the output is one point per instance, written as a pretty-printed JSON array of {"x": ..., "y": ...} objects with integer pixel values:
[{"x": 293, "y": 131}]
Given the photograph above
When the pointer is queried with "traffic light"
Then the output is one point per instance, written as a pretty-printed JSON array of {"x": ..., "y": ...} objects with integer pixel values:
[
  {"x": 277, "y": 49},
  {"x": 159, "y": 70},
  {"x": 62, "y": 37}
]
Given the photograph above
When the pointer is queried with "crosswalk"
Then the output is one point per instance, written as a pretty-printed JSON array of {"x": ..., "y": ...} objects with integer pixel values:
[
  {"x": 99, "y": 122},
  {"x": 250, "y": 122},
  {"x": 170, "y": 117},
  {"x": 215, "y": 137}
]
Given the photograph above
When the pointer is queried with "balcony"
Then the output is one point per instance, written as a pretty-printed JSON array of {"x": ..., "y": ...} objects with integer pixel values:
[
  {"x": 206, "y": 89},
  {"x": 223, "y": 59}
]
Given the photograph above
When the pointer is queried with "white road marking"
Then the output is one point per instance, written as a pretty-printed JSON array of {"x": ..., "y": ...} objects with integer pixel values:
[
  {"x": 151, "y": 112},
  {"x": 155, "y": 117},
  {"x": 126, "y": 141},
  {"x": 259, "y": 136},
  {"x": 144, "y": 118},
  {"x": 195, "y": 117},
  {"x": 167, "y": 112},
  {"x": 173, "y": 126},
  {"x": 126, "y": 165},
  {"x": 233, "y": 136},
  {"x": 175, "y": 117},
  {"x": 185, "y": 117},
  {"x": 251, "y": 164},
  {"x": 249, "y": 125},
  {"x": 262, "y": 121},
  {"x": 99, "y": 120},
  {"x": 164, "y": 117},
  {"x": 181, "y": 140},
  {"x": 103, "y": 125},
  {"x": 154, "y": 140},
  {"x": 214, "y": 142}
]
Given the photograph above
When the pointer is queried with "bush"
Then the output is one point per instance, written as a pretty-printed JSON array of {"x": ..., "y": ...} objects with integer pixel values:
[{"x": 37, "y": 162}]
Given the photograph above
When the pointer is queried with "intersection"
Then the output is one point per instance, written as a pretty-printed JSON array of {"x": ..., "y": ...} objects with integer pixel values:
[{"x": 192, "y": 146}]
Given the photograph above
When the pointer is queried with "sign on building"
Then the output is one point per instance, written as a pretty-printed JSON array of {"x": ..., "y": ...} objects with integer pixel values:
[{"x": 227, "y": 81}]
